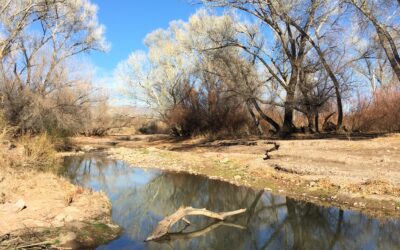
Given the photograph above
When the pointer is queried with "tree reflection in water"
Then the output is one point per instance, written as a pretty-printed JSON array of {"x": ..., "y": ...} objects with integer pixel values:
[{"x": 141, "y": 198}]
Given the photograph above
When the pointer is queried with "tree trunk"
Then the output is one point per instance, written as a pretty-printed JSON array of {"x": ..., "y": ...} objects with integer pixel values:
[
  {"x": 288, "y": 126},
  {"x": 384, "y": 39},
  {"x": 266, "y": 117},
  {"x": 310, "y": 121},
  {"x": 316, "y": 123},
  {"x": 255, "y": 120}
]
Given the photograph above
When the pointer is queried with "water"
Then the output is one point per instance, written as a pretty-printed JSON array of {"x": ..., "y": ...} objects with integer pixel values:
[{"x": 141, "y": 198}]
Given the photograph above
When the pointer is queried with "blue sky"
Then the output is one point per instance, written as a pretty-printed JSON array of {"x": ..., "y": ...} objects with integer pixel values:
[{"x": 128, "y": 21}]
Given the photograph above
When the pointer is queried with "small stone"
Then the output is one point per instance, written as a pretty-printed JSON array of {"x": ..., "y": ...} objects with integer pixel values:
[
  {"x": 267, "y": 189},
  {"x": 18, "y": 206},
  {"x": 60, "y": 217},
  {"x": 397, "y": 208},
  {"x": 355, "y": 204},
  {"x": 313, "y": 183},
  {"x": 280, "y": 190},
  {"x": 67, "y": 238}
]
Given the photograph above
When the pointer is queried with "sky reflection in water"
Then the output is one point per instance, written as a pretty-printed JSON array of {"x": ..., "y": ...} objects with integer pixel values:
[{"x": 141, "y": 198}]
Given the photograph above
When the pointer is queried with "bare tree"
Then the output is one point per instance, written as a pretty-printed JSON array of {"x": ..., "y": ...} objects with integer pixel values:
[
  {"x": 386, "y": 26},
  {"x": 297, "y": 24},
  {"x": 39, "y": 39}
]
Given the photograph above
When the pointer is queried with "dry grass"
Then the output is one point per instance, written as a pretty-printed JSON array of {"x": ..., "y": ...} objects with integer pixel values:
[
  {"x": 40, "y": 153},
  {"x": 377, "y": 186},
  {"x": 72, "y": 195}
]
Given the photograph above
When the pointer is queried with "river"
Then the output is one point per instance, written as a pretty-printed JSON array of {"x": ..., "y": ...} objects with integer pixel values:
[{"x": 142, "y": 197}]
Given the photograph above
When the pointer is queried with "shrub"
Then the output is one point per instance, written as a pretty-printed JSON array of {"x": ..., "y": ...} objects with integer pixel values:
[
  {"x": 40, "y": 153},
  {"x": 153, "y": 127},
  {"x": 379, "y": 114},
  {"x": 200, "y": 119}
]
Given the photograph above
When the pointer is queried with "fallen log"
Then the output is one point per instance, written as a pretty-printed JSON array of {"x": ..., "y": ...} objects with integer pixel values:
[
  {"x": 163, "y": 226},
  {"x": 275, "y": 148},
  {"x": 201, "y": 232}
]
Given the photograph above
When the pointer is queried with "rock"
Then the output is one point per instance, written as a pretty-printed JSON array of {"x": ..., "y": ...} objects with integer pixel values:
[
  {"x": 18, "y": 206},
  {"x": 313, "y": 184},
  {"x": 88, "y": 148},
  {"x": 268, "y": 189},
  {"x": 60, "y": 217},
  {"x": 69, "y": 218},
  {"x": 237, "y": 177},
  {"x": 67, "y": 237}
]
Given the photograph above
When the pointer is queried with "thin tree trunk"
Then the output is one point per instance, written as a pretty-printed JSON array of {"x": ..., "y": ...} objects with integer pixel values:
[
  {"x": 266, "y": 117},
  {"x": 255, "y": 120},
  {"x": 310, "y": 121},
  {"x": 391, "y": 54},
  {"x": 316, "y": 123}
]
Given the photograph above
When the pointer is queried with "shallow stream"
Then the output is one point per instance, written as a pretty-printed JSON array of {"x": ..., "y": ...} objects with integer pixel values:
[{"x": 142, "y": 197}]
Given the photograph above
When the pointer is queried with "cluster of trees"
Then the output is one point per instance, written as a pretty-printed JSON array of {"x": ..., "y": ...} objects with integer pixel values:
[
  {"x": 41, "y": 87},
  {"x": 268, "y": 60}
]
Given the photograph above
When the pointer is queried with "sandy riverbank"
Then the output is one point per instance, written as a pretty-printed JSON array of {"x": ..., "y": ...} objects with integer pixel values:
[
  {"x": 352, "y": 173},
  {"x": 46, "y": 209}
]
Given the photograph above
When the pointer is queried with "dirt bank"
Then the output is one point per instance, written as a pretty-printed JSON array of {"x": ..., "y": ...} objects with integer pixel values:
[
  {"x": 352, "y": 173},
  {"x": 38, "y": 207}
]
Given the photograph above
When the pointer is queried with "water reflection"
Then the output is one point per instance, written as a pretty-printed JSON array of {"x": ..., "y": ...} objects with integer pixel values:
[{"x": 141, "y": 198}]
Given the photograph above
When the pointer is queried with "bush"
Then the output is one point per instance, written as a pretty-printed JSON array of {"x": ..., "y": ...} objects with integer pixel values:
[
  {"x": 40, "y": 153},
  {"x": 148, "y": 128},
  {"x": 379, "y": 114},
  {"x": 188, "y": 121}
]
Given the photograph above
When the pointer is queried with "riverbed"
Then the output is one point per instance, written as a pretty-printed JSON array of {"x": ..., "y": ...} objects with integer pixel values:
[{"x": 142, "y": 197}]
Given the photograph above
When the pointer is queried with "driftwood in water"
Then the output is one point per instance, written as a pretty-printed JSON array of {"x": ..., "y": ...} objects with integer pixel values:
[
  {"x": 163, "y": 226},
  {"x": 276, "y": 147},
  {"x": 200, "y": 232}
]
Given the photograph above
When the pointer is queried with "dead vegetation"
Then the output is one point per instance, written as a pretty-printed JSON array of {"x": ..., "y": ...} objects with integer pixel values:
[
  {"x": 274, "y": 148},
  {"x": 163, "y": 227},
  {"x": 380, "y": 113},
  {"x": 378, "y": 186},
  {"x": 34, "y": 199},
  {"x": 40, "y": 153}
]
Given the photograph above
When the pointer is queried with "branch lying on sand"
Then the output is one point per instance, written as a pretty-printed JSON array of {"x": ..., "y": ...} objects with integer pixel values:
[
  {"x": 163, "y": 226},
  {"x": 275, "y": 148}
]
